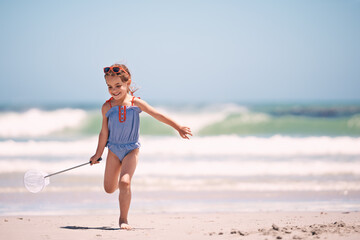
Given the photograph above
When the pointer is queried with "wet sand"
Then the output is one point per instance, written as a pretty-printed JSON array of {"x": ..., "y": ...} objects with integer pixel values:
[{"x": 254, "y": 225}]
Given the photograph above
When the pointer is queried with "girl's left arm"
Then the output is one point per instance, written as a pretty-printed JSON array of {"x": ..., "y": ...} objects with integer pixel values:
[{"x": 144, "y": 106}]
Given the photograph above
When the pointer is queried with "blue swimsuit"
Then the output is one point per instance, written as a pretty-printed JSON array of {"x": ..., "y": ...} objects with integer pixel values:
[{"x": 123, "y": 124}]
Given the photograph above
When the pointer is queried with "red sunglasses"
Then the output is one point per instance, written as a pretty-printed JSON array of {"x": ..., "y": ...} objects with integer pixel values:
[{"x": 115, "y": 69}]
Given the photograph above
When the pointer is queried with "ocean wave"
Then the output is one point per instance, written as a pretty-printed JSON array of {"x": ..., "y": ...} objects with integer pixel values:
[
  {"x": 23, "y": 165},
  {"x": 246, "y": 168},
  {"x": 233, "y": 145},
  {"x": 70, "y": 122},
  {"x": 224, "y": 163},
  {"x": 221, "y": 184},
  {"x": 50, "y": 149},
  {"x": 208, "y": 120},
  {"x": 265, "y": 124},
  {"x": 201, "y": 156},
  {"x": 171, "y": 184},
  {"x": 198, "y": 167},
  {"x": 211, "y": 146},
  {"x": 36, "y": 122}
]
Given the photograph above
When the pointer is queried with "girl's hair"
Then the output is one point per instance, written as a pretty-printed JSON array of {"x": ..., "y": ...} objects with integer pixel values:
[{"x": 124, "y": 76}]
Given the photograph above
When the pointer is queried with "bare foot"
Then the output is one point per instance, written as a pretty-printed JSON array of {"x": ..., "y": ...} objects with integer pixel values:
[{"x": 123, "y": 224}]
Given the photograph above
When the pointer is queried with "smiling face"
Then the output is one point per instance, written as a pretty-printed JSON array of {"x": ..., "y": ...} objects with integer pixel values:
[{"x": 117, "y": 88}]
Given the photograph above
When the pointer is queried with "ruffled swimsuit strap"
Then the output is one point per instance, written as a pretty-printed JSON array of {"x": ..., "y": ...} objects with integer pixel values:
[
  {"x": 109, "y": 101},
  {"x": 132, "y": 100}
]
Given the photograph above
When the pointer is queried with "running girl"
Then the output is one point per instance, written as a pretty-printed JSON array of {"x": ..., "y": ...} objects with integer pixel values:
[{"x": 120, "y": 133}]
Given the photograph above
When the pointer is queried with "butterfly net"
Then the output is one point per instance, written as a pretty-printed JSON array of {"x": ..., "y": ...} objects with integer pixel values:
[{"x": 34, "y": 180}]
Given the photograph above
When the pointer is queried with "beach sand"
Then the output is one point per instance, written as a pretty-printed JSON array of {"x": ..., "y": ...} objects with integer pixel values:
[{"x": 250, "y": 225}]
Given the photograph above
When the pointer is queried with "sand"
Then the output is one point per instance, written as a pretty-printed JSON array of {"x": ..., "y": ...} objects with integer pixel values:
[{"x": 254, "y": 225}]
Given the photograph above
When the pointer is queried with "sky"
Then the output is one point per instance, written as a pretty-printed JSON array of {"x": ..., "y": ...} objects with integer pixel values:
[{"x": 181, "y": 51}]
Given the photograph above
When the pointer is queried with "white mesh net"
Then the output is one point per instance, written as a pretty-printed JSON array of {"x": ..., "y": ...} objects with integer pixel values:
[{"x": 34, "y": 180}]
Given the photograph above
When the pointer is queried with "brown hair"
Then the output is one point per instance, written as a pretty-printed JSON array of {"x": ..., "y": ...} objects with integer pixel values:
[{"x": 124, "y": 76}]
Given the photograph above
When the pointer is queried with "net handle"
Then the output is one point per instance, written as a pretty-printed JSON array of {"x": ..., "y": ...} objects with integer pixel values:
[{"x": 71, "y": 168}]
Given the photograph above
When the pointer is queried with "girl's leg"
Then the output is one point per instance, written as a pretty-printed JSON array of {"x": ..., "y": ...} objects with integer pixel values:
[
  {"x": 112, "y": 172},
  {"x": 127, "y": 171}
]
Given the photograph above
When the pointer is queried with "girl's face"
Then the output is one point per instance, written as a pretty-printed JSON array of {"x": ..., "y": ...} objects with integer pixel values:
[{"x": 117, "y": 88}]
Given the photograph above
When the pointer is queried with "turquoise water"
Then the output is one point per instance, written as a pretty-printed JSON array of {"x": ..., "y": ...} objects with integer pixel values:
[
  {"x": 266, "y": 120},
  {"x": 207, "y": 120}
]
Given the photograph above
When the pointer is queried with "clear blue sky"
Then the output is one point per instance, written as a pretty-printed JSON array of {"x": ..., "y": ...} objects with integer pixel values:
[{"x": 184, "y": 51}]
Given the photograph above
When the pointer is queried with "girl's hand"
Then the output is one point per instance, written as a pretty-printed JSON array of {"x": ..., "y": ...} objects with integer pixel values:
[
  {"x": 94, "y": 160},
  {"x": 184, "y": 131}
]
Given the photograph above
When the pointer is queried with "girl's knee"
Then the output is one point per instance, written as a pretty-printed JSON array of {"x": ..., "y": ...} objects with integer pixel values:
[
  {"x": 125, "y": 182},
  {"x": 109, "y": 189}
]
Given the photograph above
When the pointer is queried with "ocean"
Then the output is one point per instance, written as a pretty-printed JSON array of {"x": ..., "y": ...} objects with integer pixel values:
[{"x": 242, "y": 157}]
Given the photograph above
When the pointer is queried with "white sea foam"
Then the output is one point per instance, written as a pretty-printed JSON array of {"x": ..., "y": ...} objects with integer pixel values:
[
  {"x": 199, "y": 168},
  {"x": 219, "y": 146},
  {"x": 235, "y": 168},
  {"x": 203, "y": 163},
  {"x": 48, "y": 148},
  {"x": 217, "y": 184},
  {"x": 232, "y": 145},
  {"x": 23, "y": 165},
  {"x": 166, "y": 184},
  {"x": 35, "y": 122}
]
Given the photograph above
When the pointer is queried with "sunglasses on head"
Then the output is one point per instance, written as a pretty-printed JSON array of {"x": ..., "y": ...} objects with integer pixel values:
[{"x": 115, "y": 69}]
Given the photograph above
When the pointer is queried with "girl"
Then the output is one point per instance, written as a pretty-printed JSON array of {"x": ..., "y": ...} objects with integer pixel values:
[{"x": 120, "y": 133}]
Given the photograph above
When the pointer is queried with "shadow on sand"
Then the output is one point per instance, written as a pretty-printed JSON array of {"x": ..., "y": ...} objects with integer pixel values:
[
  {"x": 99, "y": 228},
  {"x": 88, "y": 228}
]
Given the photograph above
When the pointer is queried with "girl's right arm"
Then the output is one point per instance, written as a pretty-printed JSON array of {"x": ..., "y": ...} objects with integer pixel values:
[{"x": 103, "y": 136}]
